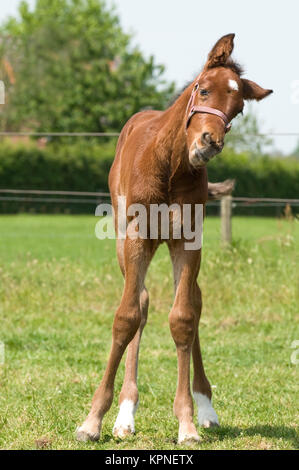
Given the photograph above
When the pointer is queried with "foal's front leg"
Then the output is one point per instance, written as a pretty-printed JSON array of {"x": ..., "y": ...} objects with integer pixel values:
[
  {"x": 126, "y": 323},
  {"x": 183, "y": 322},
  {"x": 129, "y": 397}
]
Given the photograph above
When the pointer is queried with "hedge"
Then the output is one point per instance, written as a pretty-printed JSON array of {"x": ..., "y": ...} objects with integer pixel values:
[
  {"x": 84, "y": 166},
  {"x": 260, "y": 176}
]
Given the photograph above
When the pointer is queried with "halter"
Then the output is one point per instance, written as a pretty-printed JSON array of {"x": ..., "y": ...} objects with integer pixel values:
[{"x": 204, "y": 109}]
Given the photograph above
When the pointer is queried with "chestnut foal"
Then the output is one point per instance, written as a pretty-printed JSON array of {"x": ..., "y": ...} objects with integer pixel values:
[{"x": 161, "y": 157}]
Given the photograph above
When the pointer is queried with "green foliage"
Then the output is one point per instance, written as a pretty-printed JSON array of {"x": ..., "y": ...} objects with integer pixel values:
[
  {"x": 83, "y": 166},
  {"x": 295, "y": 153},
  {"x": 245, "y": 135},
  {"x": 75, "y": 69},
  {"x": 260, "y": 176}
]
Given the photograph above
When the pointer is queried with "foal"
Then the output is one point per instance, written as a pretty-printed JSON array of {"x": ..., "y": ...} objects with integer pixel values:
[{"x": 160, "y": 158}]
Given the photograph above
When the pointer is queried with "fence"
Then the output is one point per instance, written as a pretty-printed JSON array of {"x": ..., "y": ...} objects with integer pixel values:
[
  {"x": 66, "y": 199},
  {"x": 227, "y": 204}
]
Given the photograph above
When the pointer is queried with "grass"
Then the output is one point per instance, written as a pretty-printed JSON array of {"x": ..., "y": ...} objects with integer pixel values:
[{"x": 59, "y": 288}]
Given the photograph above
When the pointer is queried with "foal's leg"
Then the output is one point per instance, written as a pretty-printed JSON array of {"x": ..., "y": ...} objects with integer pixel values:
[
  {"x": 128, "y": 398},
  {"x": 183, "y": 321},
  {"x": 137, "y": 255},
  {"x": 202, "y": 393}
]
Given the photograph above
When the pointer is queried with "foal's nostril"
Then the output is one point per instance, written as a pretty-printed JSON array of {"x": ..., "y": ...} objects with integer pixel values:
[{"x": 206, "y": 138}]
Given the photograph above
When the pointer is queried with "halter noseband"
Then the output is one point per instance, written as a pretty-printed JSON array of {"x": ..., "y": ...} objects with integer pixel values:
[{"x": 205, "y": 109}]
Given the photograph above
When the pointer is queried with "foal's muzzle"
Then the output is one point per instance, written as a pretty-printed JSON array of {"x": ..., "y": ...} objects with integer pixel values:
[{"x": 200, "y": 155}]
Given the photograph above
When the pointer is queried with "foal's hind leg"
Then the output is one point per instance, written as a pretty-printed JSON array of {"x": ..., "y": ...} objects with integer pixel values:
[
  {"x": 137, "y": 255},
  {"x": 202, "y": 393},
  {"x": 128, "y": 399}
]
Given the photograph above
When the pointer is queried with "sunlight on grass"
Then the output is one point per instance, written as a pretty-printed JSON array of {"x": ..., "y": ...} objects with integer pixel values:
[{"x": 59, "y": 288}]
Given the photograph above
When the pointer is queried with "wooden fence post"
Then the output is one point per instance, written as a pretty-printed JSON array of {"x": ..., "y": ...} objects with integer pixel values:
[{"x": 226, "y": 219}]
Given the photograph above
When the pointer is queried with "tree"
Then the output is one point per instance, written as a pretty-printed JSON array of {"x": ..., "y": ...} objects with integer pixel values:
[
  {"x": 75, "y": 69},
  {"x": 295, "y": 152},
  {"x": 245, "y": 135}
]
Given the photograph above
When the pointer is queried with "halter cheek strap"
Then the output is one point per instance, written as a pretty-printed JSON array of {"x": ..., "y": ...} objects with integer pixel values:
[{"x": 192, "y": 109}]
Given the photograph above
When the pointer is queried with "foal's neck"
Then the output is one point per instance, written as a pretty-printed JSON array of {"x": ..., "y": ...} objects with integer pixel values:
[
  {"x": 172, "y": 142},
  {"x": 176, "y": 116}
]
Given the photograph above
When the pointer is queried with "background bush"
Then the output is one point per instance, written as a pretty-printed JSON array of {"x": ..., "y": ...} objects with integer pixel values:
[
  {"x": 257, "y": 176},
  {"x": 84, "y": 166},
  {"x": 81, "y": 166}
]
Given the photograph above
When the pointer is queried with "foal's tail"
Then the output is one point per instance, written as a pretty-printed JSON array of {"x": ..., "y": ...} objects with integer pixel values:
[{"x": 217, "y": 190}]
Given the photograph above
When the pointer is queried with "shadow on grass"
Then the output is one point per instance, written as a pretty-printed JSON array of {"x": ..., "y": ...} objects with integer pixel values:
[{"x": 264, "y": 430}]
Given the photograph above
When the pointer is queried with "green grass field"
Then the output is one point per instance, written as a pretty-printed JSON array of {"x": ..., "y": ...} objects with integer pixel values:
[{"x": 59, "y": 288}]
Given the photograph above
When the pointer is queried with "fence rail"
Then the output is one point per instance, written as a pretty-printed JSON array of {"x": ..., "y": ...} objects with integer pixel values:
[
  {"x": 226, "y": 204},
  {"x": 55, "y": 193},
  {"x": 116, "y": 134},
  {"x": 236, "y": 201},
  {"x": 60, "y": 134}
]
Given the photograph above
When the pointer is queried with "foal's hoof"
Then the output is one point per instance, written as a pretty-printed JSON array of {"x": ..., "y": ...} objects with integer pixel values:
[
  {"x": 210, "y": 424},
  {"x": 124, "y": 425},
  {"x": 83, "y": 434},
  {"x": 207, "y": 416},
  {"x": 121, "y": 432},
  {"x": 188, "y": 434},
  {"x": 188, "y": 439}
]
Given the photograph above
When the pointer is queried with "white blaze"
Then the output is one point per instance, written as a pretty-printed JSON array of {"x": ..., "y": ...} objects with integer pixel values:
[{"x": 233, "y": 85}]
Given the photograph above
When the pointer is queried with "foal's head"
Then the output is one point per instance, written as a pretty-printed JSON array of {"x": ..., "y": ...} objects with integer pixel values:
[{"x": 217, "y": 97}]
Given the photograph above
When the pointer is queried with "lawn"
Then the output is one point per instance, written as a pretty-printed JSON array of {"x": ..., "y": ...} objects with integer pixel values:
[{"x": 59, "y": 288}]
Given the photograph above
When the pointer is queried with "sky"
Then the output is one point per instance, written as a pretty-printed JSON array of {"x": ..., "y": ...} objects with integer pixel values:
[{"x": 181, "y": 33}]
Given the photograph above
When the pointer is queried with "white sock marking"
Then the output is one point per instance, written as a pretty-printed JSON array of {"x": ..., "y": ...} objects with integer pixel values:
[
  {"x": 206, "y": 412},
  {"x": 125, "y": 418}
]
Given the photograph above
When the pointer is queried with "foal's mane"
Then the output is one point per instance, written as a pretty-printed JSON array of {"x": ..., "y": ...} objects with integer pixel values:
[{"x": 230, "y": 64}]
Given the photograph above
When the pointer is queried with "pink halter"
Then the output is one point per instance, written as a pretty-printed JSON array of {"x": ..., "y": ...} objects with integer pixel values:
[{"x": 204, "y": 109}]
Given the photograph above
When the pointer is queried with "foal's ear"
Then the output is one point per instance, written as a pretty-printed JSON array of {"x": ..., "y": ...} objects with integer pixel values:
[
  {"x": 221, "y": 51},
  {"x": 252, "y": 91}
]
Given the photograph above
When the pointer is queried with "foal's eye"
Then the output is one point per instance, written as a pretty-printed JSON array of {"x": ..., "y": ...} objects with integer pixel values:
[{"x": 204, "y": 92}]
